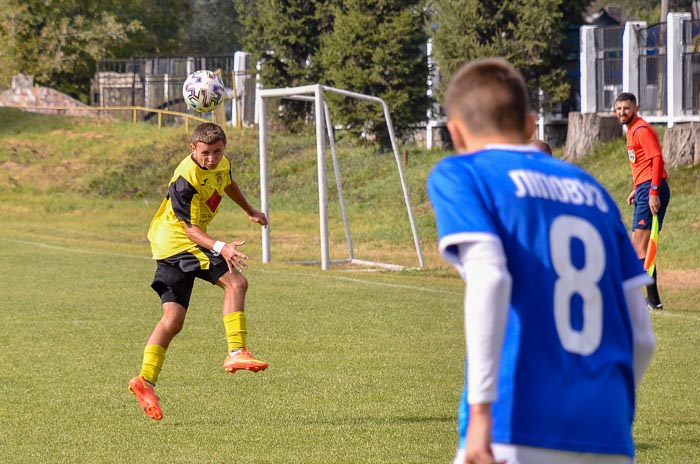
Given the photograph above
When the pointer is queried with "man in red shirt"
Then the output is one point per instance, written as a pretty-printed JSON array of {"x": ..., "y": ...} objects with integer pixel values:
[{"x": 651, "y": 192}]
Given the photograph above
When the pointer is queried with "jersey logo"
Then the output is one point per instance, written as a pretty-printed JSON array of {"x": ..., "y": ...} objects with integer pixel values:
[
  {"x": 631, "y": 155},
  {"x": 219, "y": 180},
  {"x": 204, "y": 182},
  {"x": 213, "y": 201}
]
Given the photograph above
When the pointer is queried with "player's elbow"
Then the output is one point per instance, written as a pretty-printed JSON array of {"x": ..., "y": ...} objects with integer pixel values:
[
  {"x": 490, "y": 277},
  {"x": 643, "y": 352},
  {"x": 504, "y": 281},
  {"x": 192, "y": 231}
]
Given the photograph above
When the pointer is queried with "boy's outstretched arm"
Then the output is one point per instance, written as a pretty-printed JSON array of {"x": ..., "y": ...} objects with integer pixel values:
[{"x": 234, "y": 192}]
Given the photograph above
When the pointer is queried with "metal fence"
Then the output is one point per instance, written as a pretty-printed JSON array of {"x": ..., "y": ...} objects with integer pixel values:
[
  {"x": 660, "y": 64},
  {"x": 652, "y": 69},
  {"x": 153, "y": 82},
  {"x": 691, "y": 67},
  {"x": 608, "y": 44}
]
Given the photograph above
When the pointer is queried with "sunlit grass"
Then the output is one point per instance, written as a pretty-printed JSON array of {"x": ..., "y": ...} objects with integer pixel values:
[{"x": 365, "y": 367}]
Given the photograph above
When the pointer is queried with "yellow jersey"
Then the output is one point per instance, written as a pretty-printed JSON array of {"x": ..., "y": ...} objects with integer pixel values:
[{"x": 193, "y": 197}]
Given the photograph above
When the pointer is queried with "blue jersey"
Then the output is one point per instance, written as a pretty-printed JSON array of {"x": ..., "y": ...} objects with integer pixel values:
[{"x": 566, "y": 377}]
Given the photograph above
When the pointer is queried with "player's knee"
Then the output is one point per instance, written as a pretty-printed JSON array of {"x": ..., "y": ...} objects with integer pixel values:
[
  {"x": 235, "y": 283},
  {"x": 172, "y": 324}
]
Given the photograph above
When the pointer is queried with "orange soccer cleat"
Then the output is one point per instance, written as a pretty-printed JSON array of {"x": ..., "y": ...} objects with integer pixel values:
[
  {"x": 243, "y": 359},
  {"x": 143, "y": 391}
]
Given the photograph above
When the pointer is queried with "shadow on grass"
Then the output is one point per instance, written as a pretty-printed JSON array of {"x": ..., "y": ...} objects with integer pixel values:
[
  {"x": 645, "y": 446},
  {"x": 381, "y": 420}
]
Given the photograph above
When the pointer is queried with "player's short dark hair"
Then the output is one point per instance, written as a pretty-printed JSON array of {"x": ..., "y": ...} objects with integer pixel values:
[
  {"x": 489, "y": 96},
  {"x": 627, "y": 96},
  {"x": 208, "y": 133}
]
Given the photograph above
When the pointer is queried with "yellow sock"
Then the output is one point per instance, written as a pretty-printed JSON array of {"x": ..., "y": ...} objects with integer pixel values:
[
  {"x": 153, "y": 358},
  {"x": 234, "y": 323}
]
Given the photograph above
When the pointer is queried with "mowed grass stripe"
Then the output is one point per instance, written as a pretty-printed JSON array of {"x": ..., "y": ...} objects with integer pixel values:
[
  {"x": 362, "y": 369},
  {"x": 359, "y": 373}
]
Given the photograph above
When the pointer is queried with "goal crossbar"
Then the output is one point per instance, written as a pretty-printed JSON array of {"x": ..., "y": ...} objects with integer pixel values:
[{"x": 315, "y": 93}]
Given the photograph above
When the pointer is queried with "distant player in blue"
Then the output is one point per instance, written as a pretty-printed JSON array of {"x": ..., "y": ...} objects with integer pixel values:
[{"x": 557, "y": 331}]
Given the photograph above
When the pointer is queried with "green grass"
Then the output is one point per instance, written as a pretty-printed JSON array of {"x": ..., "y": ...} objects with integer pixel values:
[
  {"x": 365, "y": 367},
  {"x": 353, "y": 377},
  {"x": 678, "y": 241}
]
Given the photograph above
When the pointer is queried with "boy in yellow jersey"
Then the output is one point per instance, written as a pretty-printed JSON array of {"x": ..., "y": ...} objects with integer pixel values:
[{"x": 183, "y": 250}]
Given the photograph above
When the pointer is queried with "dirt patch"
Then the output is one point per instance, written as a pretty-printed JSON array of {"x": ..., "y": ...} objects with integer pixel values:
[
  {"x": 23, "y": 151},
  {"x": 10, "y": 165},
  {"x": 89, "y": 135},
  {"x": 73, "y": 165},
  {"x": 680, "y": 278}
]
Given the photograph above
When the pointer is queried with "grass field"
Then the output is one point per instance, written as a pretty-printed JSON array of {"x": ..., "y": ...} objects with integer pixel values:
[
  {"x": 365, "y": 367},
  {"x": 353, "y": 377}
]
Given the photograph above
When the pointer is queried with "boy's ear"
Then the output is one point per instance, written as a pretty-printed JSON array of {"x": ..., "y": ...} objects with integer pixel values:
[
  {"x": 530, "y": 125},
  {"x": 456, "y": 135}
]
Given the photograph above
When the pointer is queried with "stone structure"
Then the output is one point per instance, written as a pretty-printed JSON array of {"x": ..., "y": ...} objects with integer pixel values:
[
  {"x": 117, "y": 89},
  {"x": 24, "y": 93}
]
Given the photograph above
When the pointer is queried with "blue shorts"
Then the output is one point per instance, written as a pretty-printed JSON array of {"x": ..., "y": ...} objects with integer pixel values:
[{"x": 642, "y": 213}]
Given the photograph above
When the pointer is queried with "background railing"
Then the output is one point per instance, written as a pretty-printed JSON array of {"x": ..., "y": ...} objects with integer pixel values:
[
  {"x": 691, "y": 67},
  {"x": 156, "y": 116},
  {"x": 156, "y": 82},
  {"x": 651, "y": 41},
  {"x": 608, "y": 44},
  {"x": 660, "y": 64}
]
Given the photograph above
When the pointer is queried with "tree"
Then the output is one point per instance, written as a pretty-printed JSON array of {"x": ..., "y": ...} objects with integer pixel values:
[
  {"x": 213, "y": 28},
  {"x": 644, "y": 10},
  {"x": 376, "y": 48},
  {"x": 284, "y": 37},
  {"x": 163, "y": 26},
  {"x": 176, "y": 27},
  {"x": 60, "y": 41},
  {"x": 57, "y": 41},
  {"x": 529, "y": 34},
  {"x": 12, "y": 29}
]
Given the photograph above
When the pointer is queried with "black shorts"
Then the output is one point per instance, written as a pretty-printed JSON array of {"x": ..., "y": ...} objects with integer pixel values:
[{"x": 174, "y": 278}]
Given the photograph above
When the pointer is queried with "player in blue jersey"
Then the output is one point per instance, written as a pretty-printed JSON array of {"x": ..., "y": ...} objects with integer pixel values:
[{"x": 557, "y": 331}]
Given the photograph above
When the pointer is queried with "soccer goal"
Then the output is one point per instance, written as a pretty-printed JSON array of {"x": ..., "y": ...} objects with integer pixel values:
[{"x": 324, "y": 125}]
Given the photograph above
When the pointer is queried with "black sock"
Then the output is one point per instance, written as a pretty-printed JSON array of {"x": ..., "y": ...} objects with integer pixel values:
[{"x": 653, "y": 290}]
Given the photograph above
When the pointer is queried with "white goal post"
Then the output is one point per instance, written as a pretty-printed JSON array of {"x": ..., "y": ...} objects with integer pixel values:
[{"x": 315, "y": 93}]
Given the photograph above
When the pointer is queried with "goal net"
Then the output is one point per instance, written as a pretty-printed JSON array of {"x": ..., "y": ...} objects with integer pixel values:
[{"x": 324, "y": 127}]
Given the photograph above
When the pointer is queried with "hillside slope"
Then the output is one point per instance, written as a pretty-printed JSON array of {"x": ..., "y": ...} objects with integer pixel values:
[{"x": 107, "y": 161}]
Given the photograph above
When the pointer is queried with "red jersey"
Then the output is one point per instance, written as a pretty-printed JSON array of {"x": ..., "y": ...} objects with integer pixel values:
[{"x": 644, "y": 152}]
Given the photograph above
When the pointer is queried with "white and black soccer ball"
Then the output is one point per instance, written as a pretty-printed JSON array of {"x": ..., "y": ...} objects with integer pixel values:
[{"x": 203, "y": 91}]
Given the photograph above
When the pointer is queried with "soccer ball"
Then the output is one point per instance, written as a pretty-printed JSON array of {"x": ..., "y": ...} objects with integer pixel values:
[{"x": 203, "y": 91}]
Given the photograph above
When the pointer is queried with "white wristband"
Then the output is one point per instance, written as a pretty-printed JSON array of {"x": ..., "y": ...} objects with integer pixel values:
[{"x": 218, "y": 246}]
